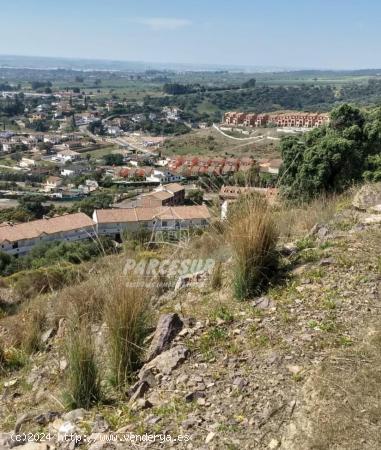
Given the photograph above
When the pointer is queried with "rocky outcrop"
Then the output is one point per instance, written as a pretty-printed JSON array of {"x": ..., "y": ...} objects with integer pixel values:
[
  {"x": 168, "y": 327},
  {"x": 368, "y": 197}
]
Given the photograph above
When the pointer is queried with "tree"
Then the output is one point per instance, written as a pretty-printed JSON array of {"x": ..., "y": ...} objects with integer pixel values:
[
  {"x": 96, "y": 127},
  {"x": 113, "y": 159},
  {"x": 327, "y": 159},
  {"x": 249, "y": 83},
  {"x": 195, "y": 196},
  {"x": 32, "y": 204}
]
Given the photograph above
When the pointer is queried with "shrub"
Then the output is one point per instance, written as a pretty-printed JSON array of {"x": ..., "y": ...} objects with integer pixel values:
[
  {"x": 252, "y": 236},
  {"x": 140, "y": 237},
  {"x": 83, "y": 377},
  {"x": 30, "y": 283},
  {"x": 127, "y": 315},
  {"x": 84, "y": 299}
]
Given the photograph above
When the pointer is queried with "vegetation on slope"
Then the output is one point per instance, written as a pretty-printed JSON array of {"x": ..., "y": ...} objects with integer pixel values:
[{"x": 332, "y": 158}]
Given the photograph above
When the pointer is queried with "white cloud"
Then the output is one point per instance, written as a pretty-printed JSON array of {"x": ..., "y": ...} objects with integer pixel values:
[{"x": 163, "y": 23}]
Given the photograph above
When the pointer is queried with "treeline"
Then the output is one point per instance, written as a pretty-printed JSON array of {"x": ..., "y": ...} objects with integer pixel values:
[
  {"x": 5, "y": 86},
  {"x": 182, "y": 89},
  {"x": 332, "y": 158},
  {"x": 265, "y": 98},
  {"x": 12, "y": 107}
]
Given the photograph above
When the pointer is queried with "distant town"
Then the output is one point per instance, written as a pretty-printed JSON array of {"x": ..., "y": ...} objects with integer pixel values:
[{"x": 91, "y": 148}]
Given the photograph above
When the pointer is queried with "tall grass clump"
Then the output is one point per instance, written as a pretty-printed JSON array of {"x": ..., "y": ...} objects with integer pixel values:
[
  {"x": 252, "y": 235},
  {"x": 127, "y": 315},
  {"x": 32, "y": 334},
  {"x": 83, "y": 374}
]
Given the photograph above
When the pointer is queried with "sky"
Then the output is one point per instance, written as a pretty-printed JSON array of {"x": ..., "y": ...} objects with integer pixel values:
[{"x": 326, "y": 34}]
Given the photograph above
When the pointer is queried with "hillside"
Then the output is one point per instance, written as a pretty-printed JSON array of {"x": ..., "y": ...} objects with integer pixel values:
[{"x": 297, "y": 366}]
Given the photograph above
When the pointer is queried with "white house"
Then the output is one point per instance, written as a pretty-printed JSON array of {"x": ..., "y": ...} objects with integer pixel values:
[
  {"x": 52, "y": 183},
  {"x": 19, "y": 239},
  {"x": 27, "y": 162},
  {"x": 67, "y": 155},
  {"x": 163, "y": 176}
]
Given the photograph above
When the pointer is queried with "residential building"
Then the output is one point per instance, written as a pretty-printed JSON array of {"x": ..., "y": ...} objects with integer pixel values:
[
  {"x": 52, "y": 183},
  {"x": 177, "y": 190},
  {"x": 113, "y": 222},
  {"x": 67, "y": 155},
  {"x": 19, "y": 239},
  {"x": 292, "y": 119},
  {"x": 163, "y": 176}
]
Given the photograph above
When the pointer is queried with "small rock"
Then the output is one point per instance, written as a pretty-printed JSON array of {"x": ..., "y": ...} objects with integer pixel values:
[
  {"x": 169, "y": 325},
  {"x": 273, "y": 444},
  {"x": 74, "y": 415},
  {"x": 100, "y": 425},
  {"x": 63, "y": 365},
  {"x": 45, "y": 418},
  {"x": 21, "y": 420},
  {"x": 327, "y": 262},
  {"x": 143, "y": 403},
  {"x": 47, "y": 335},
  {"x": 294, "y": 369},
  {"x": 239, "y": 383},
  {"x": 139, "y": 392},
  {"x": 192, "y": 396},
  {"x": 167, "y": 361},
  {"x": 182, "y": 379},
  {"x": 263, "y": 303},
  {"x": 190, "y": 422},
  {"x": 11, "y": 383},
  {"x": 210, "y": 437}
]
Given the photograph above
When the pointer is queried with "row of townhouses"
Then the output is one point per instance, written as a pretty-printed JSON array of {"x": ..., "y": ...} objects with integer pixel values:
[
  {"x": 292, "y": 119},
  {"x": 19, "y": 239}
]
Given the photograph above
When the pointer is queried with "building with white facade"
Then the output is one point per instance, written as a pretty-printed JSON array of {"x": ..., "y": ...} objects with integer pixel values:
[
  {"x": 163, "y": 176},
  {"x": 19, "y": 239},
  {"x": 113, "y": 222}
]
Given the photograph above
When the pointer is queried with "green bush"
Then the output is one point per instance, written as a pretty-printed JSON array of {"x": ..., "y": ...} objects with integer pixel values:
[{"x": 29, "y": 283}]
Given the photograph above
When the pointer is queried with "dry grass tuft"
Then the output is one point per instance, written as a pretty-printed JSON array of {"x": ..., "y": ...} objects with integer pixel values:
[
  {"x": 297, "y": 220},
  {"x": 252, "y": 235},
  {"x": 32, "y": 333},
  {"x": 128, "y": 317},
  {"x": 83, "y": 374}
]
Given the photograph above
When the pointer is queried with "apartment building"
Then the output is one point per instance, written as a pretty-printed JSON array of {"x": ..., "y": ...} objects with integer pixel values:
[
  {"x": 281, "y": 120},
  {"x": 113, "y": 222},
  {"x": 20, "y": 238}
]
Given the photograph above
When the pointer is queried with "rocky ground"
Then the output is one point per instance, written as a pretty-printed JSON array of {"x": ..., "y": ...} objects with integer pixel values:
[{"x": 298, "y": 368}]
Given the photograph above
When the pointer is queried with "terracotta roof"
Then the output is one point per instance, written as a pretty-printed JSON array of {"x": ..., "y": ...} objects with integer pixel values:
[
  {"x": 160, "y": 195},
  {"x": 67, "y": 152},
  {"x": 148, "y": 214},
  {"x": 36, "y": 228},
  {"x": 173, "y": 187}
]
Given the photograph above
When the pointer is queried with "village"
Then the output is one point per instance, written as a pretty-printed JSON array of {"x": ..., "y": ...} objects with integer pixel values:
[{"x": 68, "y": 147}]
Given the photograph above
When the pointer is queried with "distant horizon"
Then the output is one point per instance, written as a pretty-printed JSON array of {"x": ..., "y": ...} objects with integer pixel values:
[
  {"x": 166, "y": 65},
  {"x": 339, "y": 35}
]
